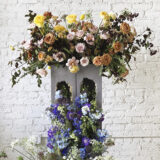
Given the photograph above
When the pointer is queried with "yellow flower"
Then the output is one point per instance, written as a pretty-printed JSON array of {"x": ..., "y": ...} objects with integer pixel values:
[
  {"x": 82, "y": 17},
  {"x": 12, "y": 48},
  {"x": 71, "y": 18},
  {"x": 49, "y": 67},
  {"x": 74, "y": 69},
  {"x": 39, "y": 20},
  {"x": 112, "y": 15},
  {"x": 104, "y": 15},
  {"x": 59, "y": 28}
]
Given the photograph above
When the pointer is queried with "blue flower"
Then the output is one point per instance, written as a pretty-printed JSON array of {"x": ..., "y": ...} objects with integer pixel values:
[
  {"x": 82, "y": 152},
  {"x": 102, "y": 135},
  {"x": 85, "y": 141},
  {"x": 58, "y": 95},
  {"x": 77, "y": 123}
]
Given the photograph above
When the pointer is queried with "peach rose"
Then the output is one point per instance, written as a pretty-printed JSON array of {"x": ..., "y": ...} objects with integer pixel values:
[
  {"x": 106, "y": 59},
  {"x": 125, "y": 28},
  {"x": 41, "y": 56},
  {"x": 97, "y": 61},
  {"x": 117, "y": 46},
  {"x": 49, "y": 38}
]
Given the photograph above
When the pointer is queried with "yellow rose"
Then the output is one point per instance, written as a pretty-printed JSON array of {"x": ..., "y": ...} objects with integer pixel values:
[
  {"x": 112, "y": 15},
  {"x": 59, "y": 28},
  {"x": 82, "y": 17},
  {"x": 104, "y": 15},
  {"x": 74, "y": 69},
  {"x": 39, "y": 20},
  {"x": 71, "y": 18}
]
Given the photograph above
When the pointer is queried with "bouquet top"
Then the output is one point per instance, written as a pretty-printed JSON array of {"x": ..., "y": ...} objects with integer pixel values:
[{"x": 72, "y": 41}]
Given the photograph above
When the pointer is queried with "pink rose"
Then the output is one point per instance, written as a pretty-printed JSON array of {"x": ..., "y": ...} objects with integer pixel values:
[
  {"x": 80, "y": 47},
  {"x": 79, "y": 34},
  {"x": 42, "y": 72},
  {"x": 84, "y": 61}
]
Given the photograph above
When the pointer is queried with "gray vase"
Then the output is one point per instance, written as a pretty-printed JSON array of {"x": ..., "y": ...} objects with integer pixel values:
[{"x": 75, "y": 79}]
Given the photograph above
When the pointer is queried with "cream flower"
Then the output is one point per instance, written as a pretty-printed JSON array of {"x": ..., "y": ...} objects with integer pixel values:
[
  {"x": 71, "y": 36},
  {"x": 74, "y": 69},
  {"x": 79, "y": 34},
  {"x": 59, "y": 57},
  {"x": 84, "y": 61},
  {"x": 112, "y": 15},
  {"x": 72, "y": 62},
  {"x": 80, "y": 47},
  {"x": 42, "y": 72},
  {"x": 89, "y": 38}
]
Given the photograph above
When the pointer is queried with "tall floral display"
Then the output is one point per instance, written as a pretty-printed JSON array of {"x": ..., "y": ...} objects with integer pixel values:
[{"x": 76, "y": 43}]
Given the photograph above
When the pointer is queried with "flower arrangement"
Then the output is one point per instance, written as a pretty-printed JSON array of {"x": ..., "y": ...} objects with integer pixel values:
[
  {"x": 73, "y": 42},
  {"x": 76, "y": 132}
]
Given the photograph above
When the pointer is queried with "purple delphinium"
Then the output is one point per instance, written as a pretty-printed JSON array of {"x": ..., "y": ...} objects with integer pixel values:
[
  {"x": 70, "y": 115},
  {"x": 85, "y": 141},
  {"x": 82, "y": 153}
]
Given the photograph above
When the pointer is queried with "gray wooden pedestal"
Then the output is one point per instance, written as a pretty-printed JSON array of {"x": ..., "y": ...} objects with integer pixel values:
[{"x": 74, "y": 80}]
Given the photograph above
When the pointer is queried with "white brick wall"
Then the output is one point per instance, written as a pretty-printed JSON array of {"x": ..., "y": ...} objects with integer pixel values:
[{"x": 132, "y": 108}]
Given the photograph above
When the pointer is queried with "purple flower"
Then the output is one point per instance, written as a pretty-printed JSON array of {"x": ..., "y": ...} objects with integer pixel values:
[
  {"x": 85, "y": 141},
  {"x": 70, "y": 115}
]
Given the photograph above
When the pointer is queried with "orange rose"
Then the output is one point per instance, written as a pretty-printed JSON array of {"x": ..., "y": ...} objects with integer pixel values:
[
  {"x": 41, "y": 56},
  {"x": 125, "y": 28},
  {"x": 49, "y": 38},
  {"x": 106, "y": 59},
  {"x": 117, "y": 46},
  {"x": 97, "y": 61},
  {"x": 124, "y": 74}
]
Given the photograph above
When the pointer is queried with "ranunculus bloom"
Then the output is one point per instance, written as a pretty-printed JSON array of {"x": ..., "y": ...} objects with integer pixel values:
[
  {"x": 41, "y": 72},
  {"x": 89, "y": 38},
  {"x": 124, "y": 74},
  {"x": 84, "y": 61},
  {"x": 41, "y": 56},
  {"x": 60, "y": 56},
  {"x": 106, "y": 59},
  {"x": 74, "y": 69},
  {"x": 72, "y": 62},
  {"x": 117, "y": 46},
  {"x": 49, "y": 38},
  {"x": 79, "y": 34},
  {"x": 71, "y": 18},
  {"x": 59, "y": 28},
  {"x": 48, "y": 59},
  {"x": 71, "y": 36},
  {"x": 80, "y": 47},
  {"x": 125, "y": 28},
  {"x": 103, "y": 14},
  {"x": 97, "y": 61},
  {"x": 39, "y": 20}
]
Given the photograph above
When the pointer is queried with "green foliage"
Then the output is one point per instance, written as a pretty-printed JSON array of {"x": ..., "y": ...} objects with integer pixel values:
[
  {"x": 3, "y": 154},
  {"x": 20, "y": 158}
]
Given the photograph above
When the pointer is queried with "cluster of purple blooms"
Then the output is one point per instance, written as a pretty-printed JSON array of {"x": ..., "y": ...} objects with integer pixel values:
[{"x": 69, "y": 129}]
